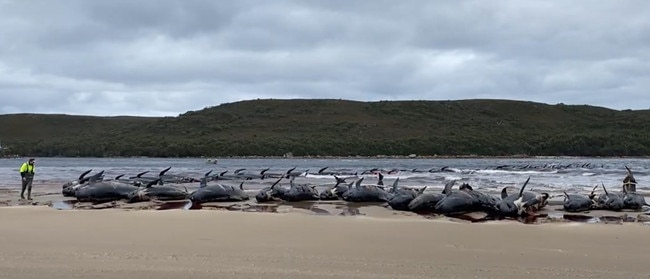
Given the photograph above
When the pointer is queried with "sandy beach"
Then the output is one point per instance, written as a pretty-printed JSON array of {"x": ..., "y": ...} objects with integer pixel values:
[{"x": 40, "y": 242}]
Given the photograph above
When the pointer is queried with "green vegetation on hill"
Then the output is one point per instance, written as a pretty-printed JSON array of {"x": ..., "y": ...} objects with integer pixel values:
[{"x": 340, "y": 128}]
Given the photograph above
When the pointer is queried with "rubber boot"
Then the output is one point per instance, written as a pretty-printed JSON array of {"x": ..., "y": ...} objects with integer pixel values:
[
  {"x": 22, "y": 192},
  {"x": 29, "y": 193}
]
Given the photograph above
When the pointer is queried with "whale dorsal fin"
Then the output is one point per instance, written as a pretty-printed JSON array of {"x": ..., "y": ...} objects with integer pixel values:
[
  {"x": 141, "y": 174},
  {"x": 264, "y": 171},
  {"x": 118, "y": 177},
  {"x": 239, "y": 170},
  {"x": 605, "y": 189},
  {"x": 223, "y": 172},
  {"x": 290, "y": 170},
  {"x": 448, "y": 186},
  {"x": 164, "y": 171},
  {"x": 504, "y": 192},
  {"x": 358, "y": 184},
  {"x": 395, "y": 187},
  {"x": 96, "y": 177},
  {"x": 322, "y": 170},
  {"x": 207, "y": 173},
  {"x": 241, "y": 186},
  {"x": 81, "y": 177},
  {"x": 422, "y": 190}
]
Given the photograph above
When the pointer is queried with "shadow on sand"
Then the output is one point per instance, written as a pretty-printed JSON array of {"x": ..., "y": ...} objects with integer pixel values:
[{"x": 348, "y": 209}]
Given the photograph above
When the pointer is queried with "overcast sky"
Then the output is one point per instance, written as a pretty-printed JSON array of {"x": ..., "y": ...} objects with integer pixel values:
[{"x": 153, "y": 57}]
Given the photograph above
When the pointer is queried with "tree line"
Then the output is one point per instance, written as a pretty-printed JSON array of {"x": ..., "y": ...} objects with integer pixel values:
[{"x": 339, "y": 128}]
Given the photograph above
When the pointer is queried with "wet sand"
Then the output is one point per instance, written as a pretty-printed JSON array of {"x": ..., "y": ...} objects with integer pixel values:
[
  {"x": 306, "y": 240},
  {"x": 39, "y": 242}
]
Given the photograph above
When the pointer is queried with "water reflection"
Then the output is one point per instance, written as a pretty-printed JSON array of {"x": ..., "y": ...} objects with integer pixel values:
[{"x": 63, "y": 205}]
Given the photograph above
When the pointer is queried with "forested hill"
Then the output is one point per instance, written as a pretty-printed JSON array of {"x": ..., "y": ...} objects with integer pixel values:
[{"x": 340, "y": 128}]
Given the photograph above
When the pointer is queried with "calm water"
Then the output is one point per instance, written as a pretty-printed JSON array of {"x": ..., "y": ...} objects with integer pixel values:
[{"x": 581, "y": 173}]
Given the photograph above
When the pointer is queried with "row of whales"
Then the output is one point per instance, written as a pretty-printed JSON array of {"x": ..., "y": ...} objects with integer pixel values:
[
  {"x": 69, "y": 188},
  {"x": 450, "y": 201},
  {"x": 627, "y": 198}
]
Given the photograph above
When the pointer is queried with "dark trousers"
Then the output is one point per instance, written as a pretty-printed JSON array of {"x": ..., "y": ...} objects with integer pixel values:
[{"x": 27, "y": 184}]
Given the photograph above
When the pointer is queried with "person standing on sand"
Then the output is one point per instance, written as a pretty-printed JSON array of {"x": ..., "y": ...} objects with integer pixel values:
[{"x": 27, "y": 174}]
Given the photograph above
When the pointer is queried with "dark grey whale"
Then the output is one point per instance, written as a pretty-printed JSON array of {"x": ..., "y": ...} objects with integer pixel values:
[
  {"x": 366, "y": 193},
  {"x": 466, "y": 200},
  {"x": 401, "y": 197},
  {"x": 300, "y": 192},
  {"x": 576, "y": 202},
  {"x": 608, "y": 200},
  {"x": 217, "y": 192},
  {"x": 271, "y": 193},
  {"x": 157, "y": 192},
  {"x": 68, "y": 189},
  {"x": 631, "y": 199},
  {"x": 426, "y": 202},
  {"x": 105, "y": 191},
  {"x": 522, "y": 203},
  {"x": 335, "y": 192}
]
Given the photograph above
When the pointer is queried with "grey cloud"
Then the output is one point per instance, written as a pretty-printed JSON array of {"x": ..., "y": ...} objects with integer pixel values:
[{"x": 167, "y": 57}]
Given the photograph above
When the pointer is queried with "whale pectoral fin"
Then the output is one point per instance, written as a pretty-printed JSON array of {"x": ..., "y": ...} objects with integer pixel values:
[
  {"x": 339, "y": 180},
  {"x": 152, "y": 183},
  {"x": 531, "y": 202},
  {"x": 519, "y": 205},
  {"x": 521, "y": 191},
  {"x": 466, "y": 186},
  {"x": 276, "y": 182}
]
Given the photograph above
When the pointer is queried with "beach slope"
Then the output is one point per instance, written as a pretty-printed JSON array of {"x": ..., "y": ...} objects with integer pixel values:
[{"x": 40, "y": 242}]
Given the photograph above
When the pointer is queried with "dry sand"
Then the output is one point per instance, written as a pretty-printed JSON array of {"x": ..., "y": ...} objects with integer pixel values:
[{"x": 40, "y": 242}]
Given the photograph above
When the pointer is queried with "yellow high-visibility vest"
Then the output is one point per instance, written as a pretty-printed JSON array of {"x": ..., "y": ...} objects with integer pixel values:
[{"x": 27, "y": 168}]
